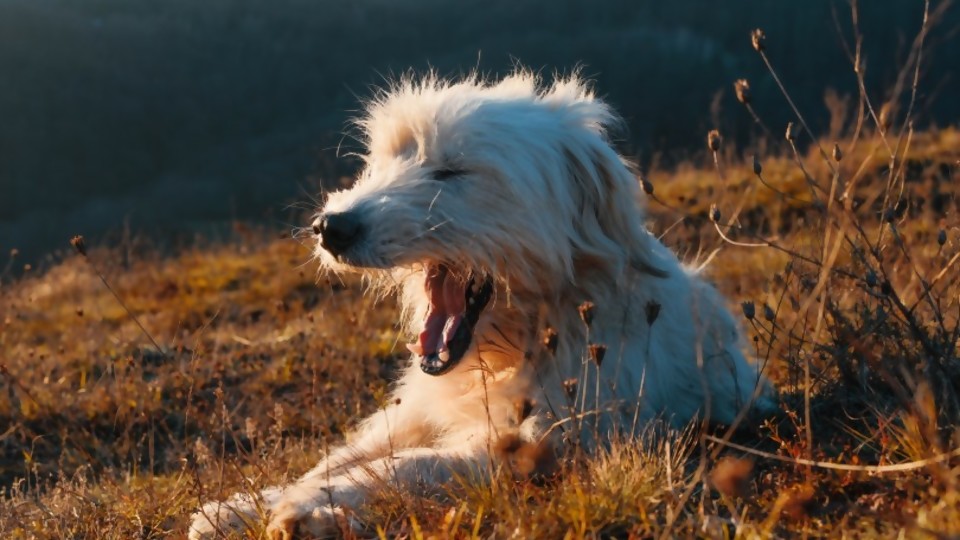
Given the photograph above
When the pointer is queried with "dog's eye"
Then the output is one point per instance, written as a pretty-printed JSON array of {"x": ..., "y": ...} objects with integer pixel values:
[{"x": 447, "y": 173}]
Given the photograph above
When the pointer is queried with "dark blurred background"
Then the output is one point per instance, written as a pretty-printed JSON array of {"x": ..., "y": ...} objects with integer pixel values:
[{"x": 166, "y": 117}]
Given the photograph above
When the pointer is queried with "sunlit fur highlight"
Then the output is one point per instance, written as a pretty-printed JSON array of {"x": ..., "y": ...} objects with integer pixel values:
[{"x": 544, "y": 205}]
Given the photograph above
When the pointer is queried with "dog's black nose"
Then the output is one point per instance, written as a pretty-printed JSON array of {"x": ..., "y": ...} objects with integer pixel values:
[{"x": 338, "y": 232}]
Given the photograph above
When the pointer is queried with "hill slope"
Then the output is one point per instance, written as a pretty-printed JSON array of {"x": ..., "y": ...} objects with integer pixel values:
[{"x": 264, "y": 365}]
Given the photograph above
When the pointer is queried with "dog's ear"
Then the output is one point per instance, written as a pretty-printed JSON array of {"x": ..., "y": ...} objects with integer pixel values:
[{"x": 608, "y": 232}]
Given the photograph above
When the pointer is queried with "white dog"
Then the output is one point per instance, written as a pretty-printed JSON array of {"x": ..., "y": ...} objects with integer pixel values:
[{"x": 544, "y": 311}]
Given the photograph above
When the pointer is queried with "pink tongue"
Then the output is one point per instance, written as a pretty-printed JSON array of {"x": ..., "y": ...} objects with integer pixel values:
[{"x": 447, "y": 304}]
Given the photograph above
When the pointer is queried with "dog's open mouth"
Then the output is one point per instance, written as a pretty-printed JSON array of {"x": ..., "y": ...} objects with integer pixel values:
[{"x": 455, "y": 305}]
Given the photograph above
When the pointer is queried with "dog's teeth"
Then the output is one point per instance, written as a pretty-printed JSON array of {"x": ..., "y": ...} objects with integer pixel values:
[
  {"x": 444, "y": 356},
  {"x": 471, "y": 301}
]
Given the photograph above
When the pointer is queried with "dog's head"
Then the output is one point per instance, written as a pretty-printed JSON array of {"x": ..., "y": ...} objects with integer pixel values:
[{"x": 470, "y": 183}]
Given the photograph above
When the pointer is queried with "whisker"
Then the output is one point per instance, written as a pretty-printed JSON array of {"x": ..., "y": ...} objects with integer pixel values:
[
  {"x": 504, "y": 336},
  {"x": 305, "y": 263},
  {"x": 431, "y": 229},
  {"x": 438, "y": 225},
  {"x": 435, "y": 197},
  {"x": 300, "y": 205},
  {"x": 488, "y": 348}
]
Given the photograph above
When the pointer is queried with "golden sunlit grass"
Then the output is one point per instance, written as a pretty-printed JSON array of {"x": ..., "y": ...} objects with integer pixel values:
[
  {"x": 842, "y": 261},
  {"x": 263, "y": 368}
]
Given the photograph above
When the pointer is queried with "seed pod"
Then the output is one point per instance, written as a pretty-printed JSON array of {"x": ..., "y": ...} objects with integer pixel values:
[
  {"x": 837, "y": 154},
  {"x": 714, "y": 213},
  {"x": 742, "y": 88},
  {"x": 886, "y": 288},
  {"x": 731, "y": 476},
  {"x": 524, "y": 408},
  {"x": 597, "y": 352},
  {"x": 942, "y": 237},
  {"x": 713, "y": 140},
  {"x": 749, "y": 310},
  {"x": 757, "y": 38},
  {"x": 791, "y": 133},
  {"x": 550, "y": 340},
  {"x": 647, "y": 186},
  {"x": 757, "y": 168},
  {"x": 889, "y": 215},
  {"x": 871, "y": 278},
  {"x": 586, "y": 312},
  {"x": 79, "y": 245},
  {"x": 885, "y": 115},
  {"x": 768, "y": 313},
  {"x": 653, "y": 311}
]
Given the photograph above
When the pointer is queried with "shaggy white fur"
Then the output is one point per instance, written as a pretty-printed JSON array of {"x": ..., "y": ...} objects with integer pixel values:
[{"x": 511, "y": 184}]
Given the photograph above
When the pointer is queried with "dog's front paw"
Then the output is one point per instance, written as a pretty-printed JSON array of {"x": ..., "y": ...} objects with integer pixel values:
[
  {"x": 291, "y": 520},
  {"x": 202, "y": 528},
  {"x": 217, "y": 519},
  {"x": 213, "y": 523}
]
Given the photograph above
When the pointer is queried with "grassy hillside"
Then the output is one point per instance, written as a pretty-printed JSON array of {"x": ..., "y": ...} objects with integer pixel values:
[
  {"x": 138, "y": 380},
  {"x": 264, "y": 366}
]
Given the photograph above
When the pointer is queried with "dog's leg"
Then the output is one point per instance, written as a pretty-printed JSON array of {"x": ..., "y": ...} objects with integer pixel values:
[
  {"x": 390, "y": 429},
  {"x": 239, "y": 512},
  {"x": 314, "y": 505}
]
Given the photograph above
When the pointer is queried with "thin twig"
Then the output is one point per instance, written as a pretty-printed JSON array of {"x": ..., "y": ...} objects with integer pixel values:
[
  {"x": 793, "y": 106},
  {"x": 78, "y": 243},
  {"x": 877, "y": 469}
]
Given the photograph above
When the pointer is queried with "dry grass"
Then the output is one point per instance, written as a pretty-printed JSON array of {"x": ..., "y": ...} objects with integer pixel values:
[
  {"x": 843, "y": 262},
  {"x": 263, "y": 367}
]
